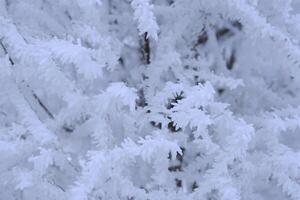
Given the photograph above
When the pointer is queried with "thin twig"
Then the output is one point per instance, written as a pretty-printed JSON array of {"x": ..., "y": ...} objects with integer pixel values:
[
  {"x": 6, "y": 52},
  {"x": 42, "y": 105},
  {"x": 33, "y": 93},
  {"x": 56, "y": 185}
]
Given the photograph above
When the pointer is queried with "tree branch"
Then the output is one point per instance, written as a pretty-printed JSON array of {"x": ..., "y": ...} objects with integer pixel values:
[
  {"x": 33, "y": 93},
  {"x": 146, "y": 48}
]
